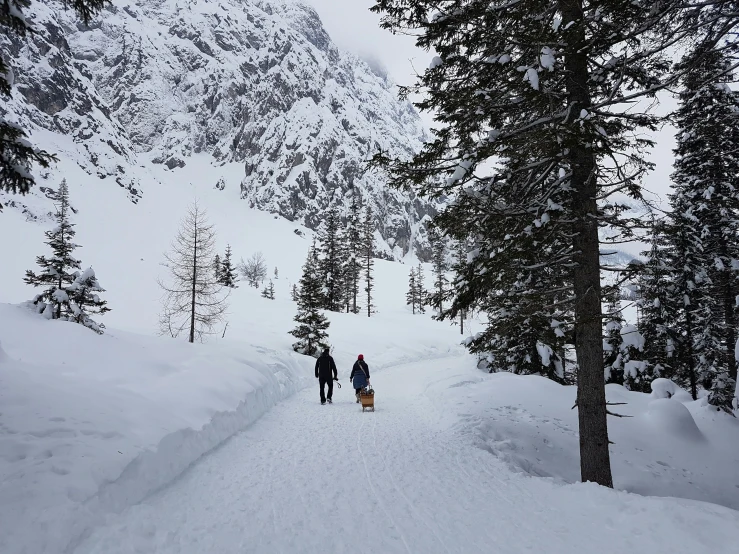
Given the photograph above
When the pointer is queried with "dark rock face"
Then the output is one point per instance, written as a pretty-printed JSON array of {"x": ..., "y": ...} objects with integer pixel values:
[{"x": 257, "y": 82}]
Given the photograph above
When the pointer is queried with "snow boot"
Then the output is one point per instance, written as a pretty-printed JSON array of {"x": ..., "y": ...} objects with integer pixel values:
[
  {"x": 330, "y": 401},
  {"x": 323, "y": 402},
  {"x": 357, "y": 395}
]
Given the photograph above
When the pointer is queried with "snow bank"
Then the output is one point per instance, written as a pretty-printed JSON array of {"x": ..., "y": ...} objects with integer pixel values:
[
  {"x": 92, "y": 424},
  {"x": 668, "y": 447}
]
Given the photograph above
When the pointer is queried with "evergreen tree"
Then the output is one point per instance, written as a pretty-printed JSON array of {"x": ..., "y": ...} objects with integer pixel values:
[
  {"x": 368, "y": 252},
  {"x": 706, "y": 182},
  {"x": 537, "y": 135},
  {"x": 613, "y": 360},
  {"x": 17, "y": 156},
  {"x": 269, "y": 291},
  {"x": 353, "y": 264},
  {"x": 440, "y": 267},
  {"x": 330, "y": 268},
  {"x": 312, "y": 324},
  {"x": 194, "y": 300},
  {"x": 228, "y": 276},
  {"x": 84, "y": 300},
  {"x": 411, "y": 297},
  {"x": 422, "y": 293},
  {"x": 460, "y": 256},
  {"x": 277, "y": 275},
  {"x": 294, "y": 295},
  {"x": 57, "y": 272},
  {"x": 217, "y": 264}
]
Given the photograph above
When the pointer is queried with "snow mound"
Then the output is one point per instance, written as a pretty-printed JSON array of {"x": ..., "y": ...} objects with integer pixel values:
[
  {"x": 663, "y": 388},
  {"x": 674, "y": 419},
  {"x": 3, "y": 355}
]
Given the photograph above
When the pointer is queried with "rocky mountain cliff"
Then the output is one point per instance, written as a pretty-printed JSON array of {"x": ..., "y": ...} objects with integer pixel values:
[{"x": 257, "y": 82}]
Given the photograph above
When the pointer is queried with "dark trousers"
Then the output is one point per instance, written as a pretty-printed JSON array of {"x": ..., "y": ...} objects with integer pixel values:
[{"x": 330, "y": 382}]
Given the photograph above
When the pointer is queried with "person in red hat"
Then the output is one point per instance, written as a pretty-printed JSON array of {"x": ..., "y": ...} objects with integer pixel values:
[{"x": 359, "y": 375}]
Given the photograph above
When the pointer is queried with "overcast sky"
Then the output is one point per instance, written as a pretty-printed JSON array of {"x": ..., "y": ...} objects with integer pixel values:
[{"x": 353, "y": 27}]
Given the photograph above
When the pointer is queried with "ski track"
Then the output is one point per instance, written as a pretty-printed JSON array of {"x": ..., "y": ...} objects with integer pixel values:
[{"x": 309, "y": 478}]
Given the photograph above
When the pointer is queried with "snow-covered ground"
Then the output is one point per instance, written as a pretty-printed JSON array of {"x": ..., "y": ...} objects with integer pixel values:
[
  {"x": 406, "y": 478},
  {"x": 108, "y": 443}
]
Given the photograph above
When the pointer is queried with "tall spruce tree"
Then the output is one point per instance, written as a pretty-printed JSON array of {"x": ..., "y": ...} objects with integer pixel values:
[
  {"x": 411, "y": 297},
  {"x": 440, "y": 268},
  {"x": 217, "y": 267},
  {"x": 422, "y": 292},
  {"x": 330, "y": 270},
  {"x": 352, "y": 270},
  {"x": 706, "y": 182},
  {"x": 312, "y": 324},
  {"x": 368, "y": 260},
  {"x": 613, "y": 360},
  {"x": 59, "y": 271},
  {"x": 17, "y": 155},
  {"x": 228, "y": 275},
  {"x": 535, "y": 105}
]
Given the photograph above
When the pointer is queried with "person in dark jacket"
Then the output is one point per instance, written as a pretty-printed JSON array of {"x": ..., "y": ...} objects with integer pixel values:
[
  {"x": 359, "y": 375},
  {"x": 325, "y": 366}
]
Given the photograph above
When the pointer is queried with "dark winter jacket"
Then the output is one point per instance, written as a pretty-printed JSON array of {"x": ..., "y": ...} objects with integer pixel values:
[
  {"x": 325, "y": 365},
  {"x": 360, "y": 374}
]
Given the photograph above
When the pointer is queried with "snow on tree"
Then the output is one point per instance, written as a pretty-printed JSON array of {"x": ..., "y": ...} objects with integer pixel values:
[
  {"x": 368, "y": 252},
  {"x": 312, "y": 324},
  {"x": 254, "y": 270},
  {"x": 706, "y": 183},
  {"x": 613, "y": 365},
  {"x": 330, "y": 269},
  {"x": 194, "y": 301},
  {"x": 277, "y": 274},
  {"x": 228, "y": 276},
  {"x": 269, "y": 291},
  {"x": 539, "y": 135},
  {"x": 84, "y": 300},
  {"x": 17, "y": 155},
  {"x": 58, "y": 271}
]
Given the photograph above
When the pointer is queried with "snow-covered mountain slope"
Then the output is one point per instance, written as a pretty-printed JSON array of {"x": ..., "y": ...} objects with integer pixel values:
[{"x": 254, "y": 82}]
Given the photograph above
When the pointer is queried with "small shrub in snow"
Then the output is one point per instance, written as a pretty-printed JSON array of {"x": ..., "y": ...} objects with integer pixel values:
[{"x": 254, "y": 270}]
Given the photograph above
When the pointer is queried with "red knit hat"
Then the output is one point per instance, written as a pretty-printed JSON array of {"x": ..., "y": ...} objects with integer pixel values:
[{"x": 361, "y": 357}]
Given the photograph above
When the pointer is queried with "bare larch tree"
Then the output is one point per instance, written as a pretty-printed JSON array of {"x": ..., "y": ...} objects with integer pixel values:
[{"x": 194, "y": 300}]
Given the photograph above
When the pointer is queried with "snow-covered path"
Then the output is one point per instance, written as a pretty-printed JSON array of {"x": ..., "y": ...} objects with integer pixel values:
[{"x": 310, "y": 478}]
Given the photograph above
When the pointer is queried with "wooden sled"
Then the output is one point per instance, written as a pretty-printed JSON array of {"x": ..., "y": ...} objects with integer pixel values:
[{"x": 368, "y": 400}]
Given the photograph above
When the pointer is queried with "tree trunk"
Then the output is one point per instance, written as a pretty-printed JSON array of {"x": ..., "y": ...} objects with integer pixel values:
[
  {"x": 194, "y": 278},
  {"x": 729, "y": 303},
  {"x": 689, "y": 355},
  {"x": 595, "y": 464}
]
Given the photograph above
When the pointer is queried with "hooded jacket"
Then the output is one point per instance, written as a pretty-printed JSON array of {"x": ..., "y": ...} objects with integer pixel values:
[{"x": 325, "y": 365}]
